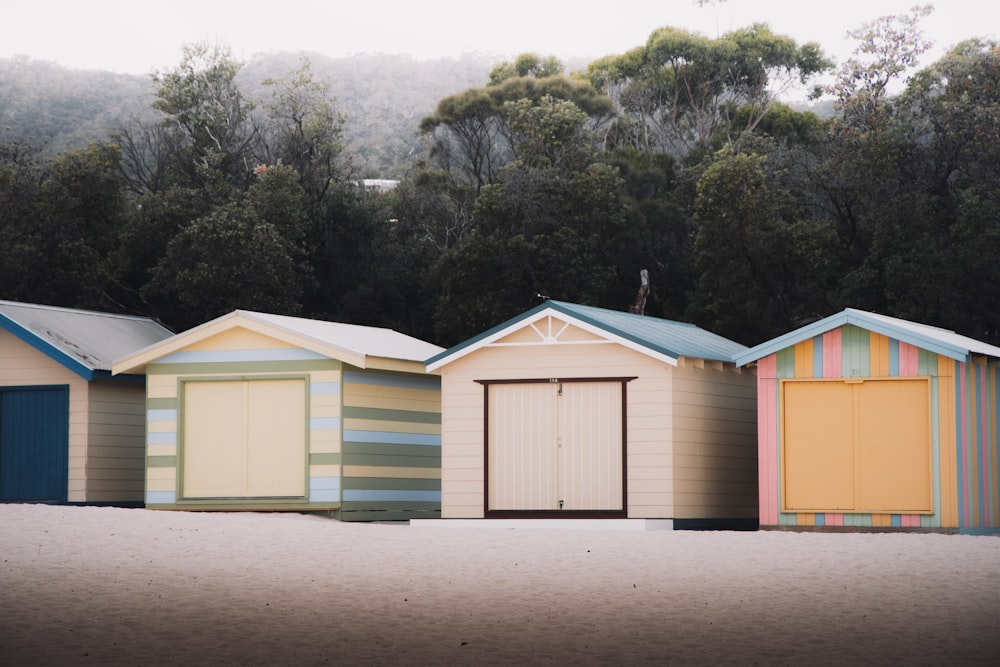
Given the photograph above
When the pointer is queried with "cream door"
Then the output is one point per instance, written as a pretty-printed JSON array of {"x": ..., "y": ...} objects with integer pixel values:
[
  {"x": 244, "y": 439},
  {"x": 555, "y": 446}
]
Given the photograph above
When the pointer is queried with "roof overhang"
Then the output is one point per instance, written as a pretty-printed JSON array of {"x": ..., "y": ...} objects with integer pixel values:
[
  {"x": 925, "y": 337},
  {"x": 236, "y": 319},
  {"x": 491, "y": 336},
  {"x": 46, "y": 348}
]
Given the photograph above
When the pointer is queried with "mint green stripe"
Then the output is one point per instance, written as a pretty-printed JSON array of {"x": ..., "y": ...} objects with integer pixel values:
[
  {"x": 161, "y": 461},
  {"x": 927, "y": 362},
  {"x": 856, "y": 352},
  {"x": 383, "y": 449},
  {"x": 383, "y": 414},
  {"x": 161, "y": 403},
  {"x": 237, "y": 367},
  {"x": 324, "y": 459},
  {"x": 786, "y": 363},
  {"x": 392, "y": 460}
]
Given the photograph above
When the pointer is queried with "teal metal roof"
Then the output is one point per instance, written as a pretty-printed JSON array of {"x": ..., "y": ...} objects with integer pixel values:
[
  {"x": 933, "y": 339},
  {"x": 83, "y": 341},
  {"x": 662, "y": 337}
]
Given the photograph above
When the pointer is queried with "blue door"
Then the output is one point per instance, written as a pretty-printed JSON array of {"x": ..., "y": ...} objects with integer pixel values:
[{"x": 34, "y": 443}]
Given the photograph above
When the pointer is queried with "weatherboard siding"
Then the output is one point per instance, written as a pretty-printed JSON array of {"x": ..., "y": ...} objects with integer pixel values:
[
  {"x": 964, "y": 403},
  {"x": 115, "y": 433},
  {"x": 374, "y": 437},
  {"x": 714, "y": 434},
  {"x": 649, "y": 420},
  {"x": 237, "y": 355},
  {"x": 391, "y": 460}
]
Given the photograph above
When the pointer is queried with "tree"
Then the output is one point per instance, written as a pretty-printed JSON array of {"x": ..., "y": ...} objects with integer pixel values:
[
  {"x": 212, "y": 138},
  {"x": 247, "y": 254},
  {"x": 60, "y": 222},
  {"x": 680, "y": 90},
  {"x": 304, "y": 130},
  {"x": 526, "y": 64},
  {"x": 761, "y": 263}
]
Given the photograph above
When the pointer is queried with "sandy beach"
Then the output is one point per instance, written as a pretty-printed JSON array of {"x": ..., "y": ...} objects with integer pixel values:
[{"x": 112, "y": 586}]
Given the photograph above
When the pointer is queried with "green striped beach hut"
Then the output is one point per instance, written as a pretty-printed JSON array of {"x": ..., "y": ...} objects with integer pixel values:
[{"x": 254, "y": 411}]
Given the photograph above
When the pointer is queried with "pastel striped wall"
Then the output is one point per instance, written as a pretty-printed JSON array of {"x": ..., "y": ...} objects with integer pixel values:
[
  {"x": 965, "y": 402},
  {"x": 391, "y": 446},
  {"x": 373, "y": 438}
]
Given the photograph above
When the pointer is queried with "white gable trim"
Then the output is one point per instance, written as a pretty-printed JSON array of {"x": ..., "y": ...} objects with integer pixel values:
[{"x": 550, "y": 338}]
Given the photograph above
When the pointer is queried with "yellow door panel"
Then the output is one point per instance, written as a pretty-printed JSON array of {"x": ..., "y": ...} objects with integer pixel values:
[
  {"x": 818, "y": 447},
  {"x": 895, "y": 446}
]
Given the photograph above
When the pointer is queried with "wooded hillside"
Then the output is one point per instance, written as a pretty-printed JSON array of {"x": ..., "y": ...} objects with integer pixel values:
[{"x": 225, "y": 185}]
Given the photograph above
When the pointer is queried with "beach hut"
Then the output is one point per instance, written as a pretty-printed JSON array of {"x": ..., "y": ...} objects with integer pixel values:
[
  {"x": 868, "y": 421},
  {"x": 253, "y": 411},
  {"x": 570, "y": 411},
  {"x": 69, "y": 431}
]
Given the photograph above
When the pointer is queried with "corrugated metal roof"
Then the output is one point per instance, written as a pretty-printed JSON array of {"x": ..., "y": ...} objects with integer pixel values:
[
  {"x": 934, "y": 339},
  {"x": 665, "y": 338},
  {"x": 83, "y": 341},
  {"x": 359, "y": 339}
]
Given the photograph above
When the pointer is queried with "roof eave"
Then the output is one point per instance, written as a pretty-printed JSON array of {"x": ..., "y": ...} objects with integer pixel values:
[
  {"x": 47, "y": 348},
  {"x": 482, "y": 340},
  {"x": 859, "y": 319}
]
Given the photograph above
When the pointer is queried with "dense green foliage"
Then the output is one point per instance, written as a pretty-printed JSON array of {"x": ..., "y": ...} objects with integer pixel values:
[{"x": 238, "y": 187}]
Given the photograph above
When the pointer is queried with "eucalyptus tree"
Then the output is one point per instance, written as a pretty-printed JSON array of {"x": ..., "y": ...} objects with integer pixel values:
[{"x": 681, "y": 90}]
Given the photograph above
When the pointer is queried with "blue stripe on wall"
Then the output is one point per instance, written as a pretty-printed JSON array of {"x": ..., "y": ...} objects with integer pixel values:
[
  {"x": 818, "y": 356},
  {"x": 893, "y": 357},
  {"x": 161, "y": 439},
  {"x": 213, "y": 356},
  {"x": 324, "y": 489},
  {"x": 161, "y": 497},
  {"x": 388, "y": 437},
  {"x": 162, "y": 415},
  {"x": 324, "y": 423},
  {"x": 432, "y": 383},
  {"x": 387, "y": 495},
  {"x": 324, "y": 388}
]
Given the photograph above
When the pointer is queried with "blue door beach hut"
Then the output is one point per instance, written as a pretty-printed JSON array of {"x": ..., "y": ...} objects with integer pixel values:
[
  {"x": 873, "y": 422},
  {"x": 69, "y": 431},
  {"x": 254, "y": 411},
  {"x": 571, "y": 411}
]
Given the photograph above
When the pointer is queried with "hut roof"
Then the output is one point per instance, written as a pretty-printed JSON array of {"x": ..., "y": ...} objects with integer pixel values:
[
  {"x": 662, "y": 339},
  {"x": 934, "y": 339},
  {"x": 85, "y": 342},
  {"x": 351, "y": 343}
]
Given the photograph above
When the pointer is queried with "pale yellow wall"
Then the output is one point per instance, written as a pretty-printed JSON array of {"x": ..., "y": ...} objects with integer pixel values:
[
  {"x": 23, "y": 365},
  {"x": 649, "y": 417},
  {"x": 715, "y": 441},
  {"x": 117, "y": 419}
]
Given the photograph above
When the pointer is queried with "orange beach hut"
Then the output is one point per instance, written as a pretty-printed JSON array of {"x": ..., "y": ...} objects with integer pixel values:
[{"x": 872, "y": 422}]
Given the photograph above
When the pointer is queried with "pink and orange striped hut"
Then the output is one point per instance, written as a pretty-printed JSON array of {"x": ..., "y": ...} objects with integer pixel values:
[{"x": 872, "y": 422}]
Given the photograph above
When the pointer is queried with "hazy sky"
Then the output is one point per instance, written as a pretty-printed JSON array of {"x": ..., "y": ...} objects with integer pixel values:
[{"x": 139, "y": 36}]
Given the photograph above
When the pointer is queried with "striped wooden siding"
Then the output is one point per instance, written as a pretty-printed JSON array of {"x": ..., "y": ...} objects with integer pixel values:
[
  {"x": 391, "y": 454},
  {"x": 965, "y": 401},
  {"x": 242, "y": 354}
]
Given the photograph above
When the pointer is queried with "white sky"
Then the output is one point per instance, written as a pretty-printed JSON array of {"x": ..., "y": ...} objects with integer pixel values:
[{"x": 140, "y": 36}]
